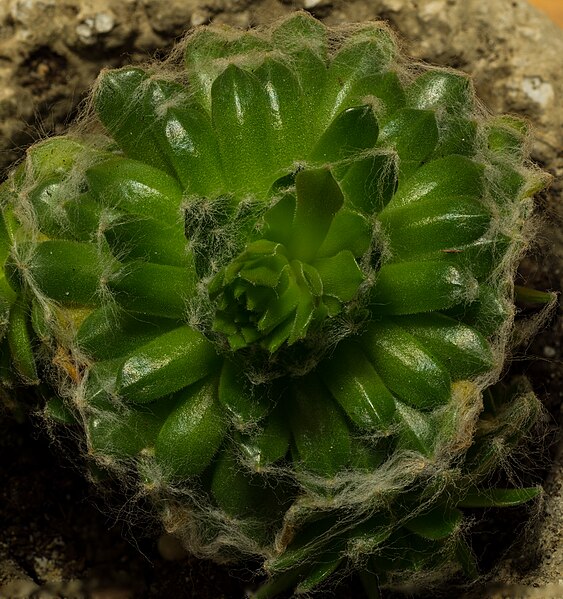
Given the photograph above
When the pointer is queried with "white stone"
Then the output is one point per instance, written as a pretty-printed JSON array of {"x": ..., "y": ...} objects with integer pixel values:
[
  {"x": 104, "y": 22},
  {"x": 84, "y": 31},
  {"x": 538, "y": 90},
  {"x": 198, "y": 18}
]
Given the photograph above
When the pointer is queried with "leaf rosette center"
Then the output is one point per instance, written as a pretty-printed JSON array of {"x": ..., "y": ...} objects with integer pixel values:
[{"x": 293, "y": 278}]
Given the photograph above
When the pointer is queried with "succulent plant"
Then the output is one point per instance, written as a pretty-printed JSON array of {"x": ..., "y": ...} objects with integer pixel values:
[{"x": 272, "y": 287}]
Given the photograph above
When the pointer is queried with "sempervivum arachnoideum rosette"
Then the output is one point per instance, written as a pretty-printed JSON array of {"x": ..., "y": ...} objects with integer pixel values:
[{"x": 271, "y": 285}]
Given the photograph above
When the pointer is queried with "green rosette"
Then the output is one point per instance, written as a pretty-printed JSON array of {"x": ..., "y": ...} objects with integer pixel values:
[{"x": 274, "y": 286}]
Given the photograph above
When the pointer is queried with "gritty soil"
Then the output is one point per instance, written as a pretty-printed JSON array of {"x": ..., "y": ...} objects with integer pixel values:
[{"x": 60, "y": 537}]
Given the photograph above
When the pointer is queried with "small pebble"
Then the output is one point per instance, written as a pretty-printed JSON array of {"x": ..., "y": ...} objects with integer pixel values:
[
  {"x": 104, "y": 22},
  {"x": 199, "y": 18},
  {"x": 170, "y": 548},
  {"x": 84, "y": 30}
]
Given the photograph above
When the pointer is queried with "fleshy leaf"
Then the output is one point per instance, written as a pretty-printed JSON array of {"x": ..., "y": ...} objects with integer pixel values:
[
  {"x": 358, "y": 388},
  {"x": 125, "y": 432},
  {"x": 439, "y": 523},
  {"x": 68, "y": 271},
  {"x": 413, "y": 134},
  {"x": 19, "y": 338},
  {"x": 434, "y": 89},
  {"x": 166, "y": 364},
  {"x": 192, "y": 434},
  {"x": 109, "y": 332},
  {"x": 268, "y": 444},
  {"x": 318, "y": 199},
  {"x": 155, "y": 289},
  {"x": 340, "y": 275},
  {"x": 368, "y": 182},
  {"x": 417, "y": 430},
  {"x": 367, "y": 53},
  {"x": 320, "y": 432},
  {"x": 286, "y": 105},
  {"x": 326, "y": 565},
  {"x": 205, "y": 55},
  {"x": 433, "y": 224},
  {"x": 495, "y": 497},
  {"x": 351, "y": 132},
  {"x": 184, "y": 133},
  {"x": 349, "y": 230},
  {"x": 246, "y": 403},
  {"x": 119, "y": 99},
  {"x": 406, "y": 367},
  {"x": 242, "y": 121},
  {"x": 415, "y": 287},
  {"x": 136, "y": 188},
  {"x": 446, "y": 177},
  {"x": 462, "y": 350}
]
